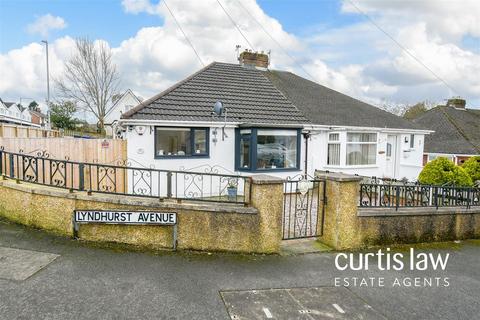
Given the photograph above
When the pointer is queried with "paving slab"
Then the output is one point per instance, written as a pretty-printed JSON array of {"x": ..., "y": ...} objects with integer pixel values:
[
  {"x": 298, "y": 303},
  {"x": 302, "y": 246},
  {"x": 17, "y": 264}
]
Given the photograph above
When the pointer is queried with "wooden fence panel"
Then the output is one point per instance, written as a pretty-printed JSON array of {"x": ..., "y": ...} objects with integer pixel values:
[
  {"x": 16, "y": 131},
  {"x": 105, "y": 151},
  {"x": 97, "y": 151}
]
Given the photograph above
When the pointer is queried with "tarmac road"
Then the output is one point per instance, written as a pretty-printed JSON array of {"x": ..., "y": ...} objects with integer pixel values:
[{"x": 87, "y": 282}]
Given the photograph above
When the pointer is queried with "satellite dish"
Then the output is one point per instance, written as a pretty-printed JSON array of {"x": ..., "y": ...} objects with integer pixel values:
[{"x": 218, "y": 108}]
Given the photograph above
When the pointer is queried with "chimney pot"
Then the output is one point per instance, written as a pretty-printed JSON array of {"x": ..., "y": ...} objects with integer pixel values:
[
  {"x": 258, "y": 60},
  {"x": 458, "y": 103}
]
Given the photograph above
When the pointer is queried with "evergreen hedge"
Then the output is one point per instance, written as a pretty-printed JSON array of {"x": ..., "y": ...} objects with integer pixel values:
[
  {"x": 472, "y": 167},
  {"x": 441, "y": 171}
]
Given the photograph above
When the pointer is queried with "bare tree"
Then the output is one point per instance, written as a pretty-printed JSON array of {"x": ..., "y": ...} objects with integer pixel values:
[{"x": 90, "y": 78}]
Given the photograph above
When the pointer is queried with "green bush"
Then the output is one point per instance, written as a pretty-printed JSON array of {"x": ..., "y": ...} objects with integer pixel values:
[
  {"x": 441, "y": 171},
  {"x": 472, "y": 166}
]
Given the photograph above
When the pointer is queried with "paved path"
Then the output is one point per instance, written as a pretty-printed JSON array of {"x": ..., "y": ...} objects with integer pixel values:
[{"x": 85, "y": 282}]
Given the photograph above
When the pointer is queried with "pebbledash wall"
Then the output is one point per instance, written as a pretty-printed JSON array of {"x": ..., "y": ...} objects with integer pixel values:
[
  {"x": 200, "y": 226},
  {"x": 346, "y": 226},
  {"x": 228, "y": 227}
]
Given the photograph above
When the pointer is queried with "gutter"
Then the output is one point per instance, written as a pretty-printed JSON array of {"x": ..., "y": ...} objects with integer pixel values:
[
  {"x": 390, "y": 130},
  {"x": 271, "y": 125},
  {"x": 173, "y": 123},
  {"x": 313, "y": 127}
]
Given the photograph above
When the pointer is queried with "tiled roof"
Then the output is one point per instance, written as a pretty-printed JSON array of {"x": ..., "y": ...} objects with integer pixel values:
[
  {"x": 246, "y": 93},
  {"x": 325, "y": 106},
  {"x": 254, "y": 96},
  {"x": 7, "y": 104},
  {"x": 457, "y": 131}
]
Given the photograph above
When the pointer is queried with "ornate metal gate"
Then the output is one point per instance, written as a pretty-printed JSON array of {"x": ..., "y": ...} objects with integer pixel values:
[{"x": 303, "y": 208}]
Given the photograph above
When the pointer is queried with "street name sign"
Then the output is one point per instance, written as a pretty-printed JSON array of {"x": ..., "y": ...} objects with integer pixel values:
[{"x": 125, "y": 217}]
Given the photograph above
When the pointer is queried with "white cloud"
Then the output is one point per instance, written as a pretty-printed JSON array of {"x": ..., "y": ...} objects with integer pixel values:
[
  {"x": 137, "y": 6},
  {"x": 449, "y": 20},
  {"x": 158, "y": 56},
  {"x": 44, "y": 24},
  {"x": 356, "y": 59}
]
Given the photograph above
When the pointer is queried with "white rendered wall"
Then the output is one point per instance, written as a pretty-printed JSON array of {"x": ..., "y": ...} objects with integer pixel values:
[
  {"x": 140, "y": 151},
  {"x": 408, "y": 161}
]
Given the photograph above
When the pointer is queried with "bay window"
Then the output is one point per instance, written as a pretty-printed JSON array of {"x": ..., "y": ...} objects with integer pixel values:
[
  {"x": 267, "y": 149},
  {"x": 361, "y": 148},
  {"x": 181, "y": 142}
]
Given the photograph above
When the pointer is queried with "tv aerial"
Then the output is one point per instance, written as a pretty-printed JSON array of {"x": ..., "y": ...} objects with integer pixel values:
[{"x": 220, "y": 110}]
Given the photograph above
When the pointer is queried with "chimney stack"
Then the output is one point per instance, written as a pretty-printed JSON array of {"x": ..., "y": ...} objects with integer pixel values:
[
  {"x": 457, "y": 103},
  {"x": 257, "y": 60}
]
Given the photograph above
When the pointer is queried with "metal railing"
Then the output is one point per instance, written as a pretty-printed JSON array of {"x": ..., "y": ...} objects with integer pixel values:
[
  {"x": 124, "y": 179},
  {"x": 387, "y": 193}
]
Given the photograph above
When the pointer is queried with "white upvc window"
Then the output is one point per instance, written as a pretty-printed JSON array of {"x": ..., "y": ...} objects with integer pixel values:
[
  {"x": 361, "y": 148},
  {"x": 333, "y": 153}
]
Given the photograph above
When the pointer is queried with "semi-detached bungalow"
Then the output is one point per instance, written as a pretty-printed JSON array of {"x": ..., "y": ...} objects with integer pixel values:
[{"x": 275, "y": 122}]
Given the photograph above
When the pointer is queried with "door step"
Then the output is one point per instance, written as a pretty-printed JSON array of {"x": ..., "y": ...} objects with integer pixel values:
[{"x": 302, "y": 246}]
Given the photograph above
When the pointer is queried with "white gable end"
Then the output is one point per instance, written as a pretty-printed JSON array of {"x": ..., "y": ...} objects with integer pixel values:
[{"x": 126, "y": 102}]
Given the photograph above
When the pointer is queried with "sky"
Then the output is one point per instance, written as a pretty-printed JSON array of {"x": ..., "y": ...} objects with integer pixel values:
[{"x": 396, "y": 52}]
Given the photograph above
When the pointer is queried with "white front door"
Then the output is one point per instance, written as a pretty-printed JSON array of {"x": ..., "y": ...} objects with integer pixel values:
[{"x": 391, "y": 152}]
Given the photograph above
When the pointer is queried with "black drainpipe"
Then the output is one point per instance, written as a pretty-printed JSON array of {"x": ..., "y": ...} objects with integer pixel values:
[{"x": 306, "y": 136}]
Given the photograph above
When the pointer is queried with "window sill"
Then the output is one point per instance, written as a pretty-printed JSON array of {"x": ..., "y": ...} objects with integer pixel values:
[
  {"x": 269, "y": 170},
  {"x": 182, "y": 157}
]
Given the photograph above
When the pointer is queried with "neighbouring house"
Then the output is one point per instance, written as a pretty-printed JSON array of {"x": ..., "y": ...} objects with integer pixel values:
[
  {"x": 38, "y": 118},
  {"x": 457, "y": 131},
  {"x": 275, "y": 122},
  {"x": 10, "y": 112},
  {"x": 122, "y": 104}
]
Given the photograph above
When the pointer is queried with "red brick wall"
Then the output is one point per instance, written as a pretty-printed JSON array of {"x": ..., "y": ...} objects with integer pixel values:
[{"x": 462, "y": 159}]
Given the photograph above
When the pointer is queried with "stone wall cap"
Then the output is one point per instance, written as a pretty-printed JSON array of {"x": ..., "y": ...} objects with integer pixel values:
[
  {"x": 337, "y": 176},
  {"x": 266, "y": 179},
  {"x": 415, "y": 211},
  {"x": 169, "y": 204}
]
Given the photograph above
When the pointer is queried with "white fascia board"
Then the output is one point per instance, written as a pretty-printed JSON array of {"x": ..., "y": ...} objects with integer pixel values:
[
  {"x": 306, "y": 126},
  {"x": 450, "y": 154},
  {"x": 173, "y": 123},
  {"x": 370, "y": 129},
  {"x": 176, "y": 123}
]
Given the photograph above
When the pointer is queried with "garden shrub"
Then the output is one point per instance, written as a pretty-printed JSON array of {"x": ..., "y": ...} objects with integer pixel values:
[
  {"x": 441, "y": 171},
  {"x": 472, "y": 167}
]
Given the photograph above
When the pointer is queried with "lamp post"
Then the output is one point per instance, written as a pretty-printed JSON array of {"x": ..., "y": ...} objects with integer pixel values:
[{"x": 48, "y": 83}]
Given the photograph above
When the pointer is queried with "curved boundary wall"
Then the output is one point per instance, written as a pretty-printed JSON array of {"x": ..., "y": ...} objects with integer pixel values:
[{"x": 200, "y": 226}]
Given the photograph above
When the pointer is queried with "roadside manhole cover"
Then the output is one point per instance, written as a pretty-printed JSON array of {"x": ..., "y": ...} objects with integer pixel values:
[
  {"x": 297, "y": 303},
  {"x": 17, "y": 264}
]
